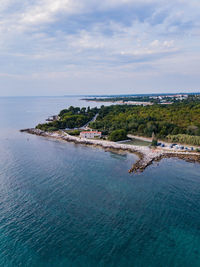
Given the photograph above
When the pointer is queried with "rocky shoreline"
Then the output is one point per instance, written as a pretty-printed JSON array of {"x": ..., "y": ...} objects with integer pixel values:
[{"x": 147, "y": 155}]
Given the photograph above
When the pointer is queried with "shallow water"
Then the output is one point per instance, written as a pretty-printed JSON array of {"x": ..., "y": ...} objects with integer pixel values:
[{"x": 63, "y": 204}]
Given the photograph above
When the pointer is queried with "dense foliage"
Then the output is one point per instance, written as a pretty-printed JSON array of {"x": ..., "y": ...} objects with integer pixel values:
[
  {"x": 154, "y": 142},
  {"x": 73, "y": 117},
  {"x": 145, "y": 98},
  {"x": 118, "y": 135},
  {"x": 179, "y": 122},
  {"x": 162, "y": 120},
  {"x": 74, "y": 132},
  {"x": 184, "y": 139},
  {"x": 120, "y": 98}
]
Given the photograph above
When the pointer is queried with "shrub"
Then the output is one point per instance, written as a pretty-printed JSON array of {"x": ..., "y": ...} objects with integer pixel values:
[
  {"x": 184, "y": 139},
  {"x": 74, "y": 132},
  {"x": 154, "y": 142},
  {"x": 52, "y": 129},
  {"x": 118, "y": 135}
]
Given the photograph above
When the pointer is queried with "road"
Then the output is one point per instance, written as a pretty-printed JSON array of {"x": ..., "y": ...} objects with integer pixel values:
[{"x": 85, "y": 127}]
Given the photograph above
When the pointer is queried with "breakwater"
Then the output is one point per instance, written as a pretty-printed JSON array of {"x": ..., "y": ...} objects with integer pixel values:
[{"x": 146, "y": 155}]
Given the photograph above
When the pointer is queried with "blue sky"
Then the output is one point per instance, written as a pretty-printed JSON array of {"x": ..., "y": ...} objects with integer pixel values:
[{"x": 60, "y": 47}]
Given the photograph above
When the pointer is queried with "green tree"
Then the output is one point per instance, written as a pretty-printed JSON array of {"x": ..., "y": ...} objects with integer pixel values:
[{"x": 118, "y": 135}]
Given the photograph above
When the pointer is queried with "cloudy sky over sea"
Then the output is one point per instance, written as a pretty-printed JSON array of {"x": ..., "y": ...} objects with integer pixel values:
[{"x": 56, "y": 47}]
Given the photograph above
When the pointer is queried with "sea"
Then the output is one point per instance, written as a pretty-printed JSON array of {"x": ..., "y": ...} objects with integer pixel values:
[{"x": 63, "y": 204}]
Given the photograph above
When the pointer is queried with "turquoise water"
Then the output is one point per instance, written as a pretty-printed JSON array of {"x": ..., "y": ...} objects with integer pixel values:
[{"x": 63, "y": 204}]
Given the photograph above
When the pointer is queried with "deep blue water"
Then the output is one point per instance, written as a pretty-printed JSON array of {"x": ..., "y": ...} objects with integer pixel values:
[{"x": 63, "y": 204}]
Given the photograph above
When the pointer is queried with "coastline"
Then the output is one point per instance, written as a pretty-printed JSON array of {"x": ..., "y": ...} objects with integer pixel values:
[{"x": 146, "y": 155}]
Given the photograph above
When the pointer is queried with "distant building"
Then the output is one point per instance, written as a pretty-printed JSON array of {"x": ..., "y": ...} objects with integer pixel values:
[
  {"x": 137, "y": 103},
  {"x": 53, "y": 118},
  {"x": 90, "y": 134},
  {"x": 166, "y": 103}
]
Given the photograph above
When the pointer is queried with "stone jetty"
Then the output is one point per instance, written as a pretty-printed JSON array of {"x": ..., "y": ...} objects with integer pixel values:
[{"x": 146, "y": 155}]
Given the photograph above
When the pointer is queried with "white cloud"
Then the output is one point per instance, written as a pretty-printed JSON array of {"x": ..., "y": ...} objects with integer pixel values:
[
  {"x": 43, "y": 37},
  {"x": 155, "y": 43},
  {"x": 46, "y": 10},
  {"x": 168, "y": 44}
]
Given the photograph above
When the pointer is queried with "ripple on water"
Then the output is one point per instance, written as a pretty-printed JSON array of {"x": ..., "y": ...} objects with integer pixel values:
[{"x": 68, "y": 205}]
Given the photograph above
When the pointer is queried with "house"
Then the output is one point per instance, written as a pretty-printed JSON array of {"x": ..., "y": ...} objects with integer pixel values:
[
  {"x": 90, "y": 134},
  {"x": 53, "y": 118}
]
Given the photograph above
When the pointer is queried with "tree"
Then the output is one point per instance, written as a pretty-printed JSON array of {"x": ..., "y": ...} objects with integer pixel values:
[
  {"x": 154, "y": 142},
  {"x": 118, "y": 135}
]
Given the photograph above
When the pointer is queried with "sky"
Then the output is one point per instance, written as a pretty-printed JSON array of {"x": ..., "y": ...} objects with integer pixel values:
[{"x": 68, "y": 47}]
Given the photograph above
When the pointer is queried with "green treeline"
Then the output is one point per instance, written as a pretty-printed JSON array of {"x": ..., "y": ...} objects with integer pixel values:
[
  {"x": 118, "y": 135},
  {"x": 184, "y": 139},
  {"x": 73, "y": 117},
  {"x": 179, "y": 122},
  {"x": 162, "y": 120},
  {"x": 121, "y": 98}
]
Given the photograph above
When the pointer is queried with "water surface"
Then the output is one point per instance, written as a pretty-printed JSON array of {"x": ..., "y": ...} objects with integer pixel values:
[{"x": 63, "y": 204}]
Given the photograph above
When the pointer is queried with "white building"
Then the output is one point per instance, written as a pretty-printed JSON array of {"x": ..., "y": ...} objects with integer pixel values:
[{"x": 90, "y": 134}]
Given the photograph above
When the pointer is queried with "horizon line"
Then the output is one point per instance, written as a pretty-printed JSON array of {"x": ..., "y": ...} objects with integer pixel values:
[{"x": 103, "y": 95}]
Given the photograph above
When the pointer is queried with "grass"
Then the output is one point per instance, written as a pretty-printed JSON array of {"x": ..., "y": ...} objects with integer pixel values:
[{"x": 137, "y": 142}]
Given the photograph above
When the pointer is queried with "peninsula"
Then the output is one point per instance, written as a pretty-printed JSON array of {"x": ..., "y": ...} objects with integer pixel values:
[{"x": 167, "y": 130}]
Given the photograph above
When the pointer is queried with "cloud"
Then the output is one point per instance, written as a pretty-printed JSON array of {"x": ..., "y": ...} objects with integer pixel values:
[
  {"x": 43, "y": 37},
  {"x": 45, "y": 11}
]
